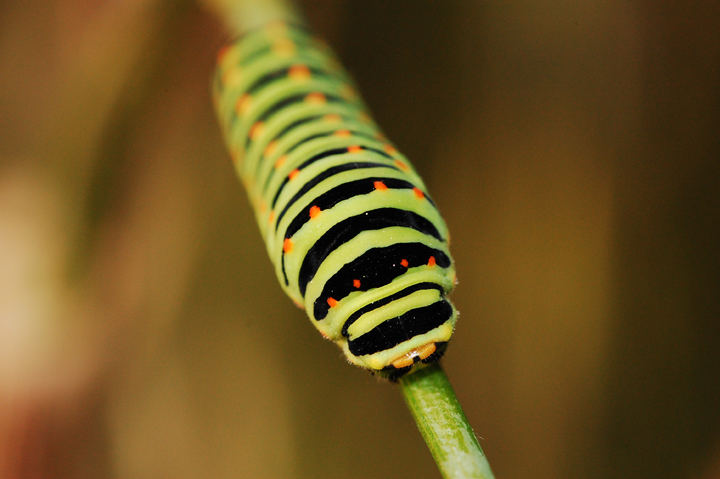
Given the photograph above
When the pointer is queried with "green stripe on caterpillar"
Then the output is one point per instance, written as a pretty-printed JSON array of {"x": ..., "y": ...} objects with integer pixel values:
[{"x": 355, "y": 238}]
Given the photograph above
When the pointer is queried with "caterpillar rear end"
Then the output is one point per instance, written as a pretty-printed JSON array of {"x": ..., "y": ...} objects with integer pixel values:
[{"x": 354, "y": 236}]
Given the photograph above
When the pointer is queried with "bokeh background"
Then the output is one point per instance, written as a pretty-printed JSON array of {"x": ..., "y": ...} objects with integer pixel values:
[{"x": 573, "y": 148}]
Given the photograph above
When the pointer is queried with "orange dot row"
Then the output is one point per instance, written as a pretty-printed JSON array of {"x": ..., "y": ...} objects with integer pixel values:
[
  {"x": 243, "y": 104},
  {"x": 272, "y": 147},
  {"x": 431, "y": 262},
  {"x": 315, "y": 210},
  {"x": 332, "y": 302}
]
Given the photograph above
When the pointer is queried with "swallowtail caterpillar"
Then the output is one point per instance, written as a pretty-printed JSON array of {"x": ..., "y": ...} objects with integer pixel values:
[{"x": 355, "y": 238}]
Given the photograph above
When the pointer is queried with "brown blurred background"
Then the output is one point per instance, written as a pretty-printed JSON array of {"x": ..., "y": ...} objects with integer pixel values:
[{"x": 572, "y": 146}]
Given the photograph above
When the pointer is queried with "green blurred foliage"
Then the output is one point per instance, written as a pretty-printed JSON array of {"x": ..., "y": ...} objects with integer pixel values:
[{"x": 572, "y": 147}]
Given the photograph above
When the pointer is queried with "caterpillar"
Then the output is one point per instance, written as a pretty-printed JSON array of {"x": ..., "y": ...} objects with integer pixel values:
[{"x": 355, "y": 239}]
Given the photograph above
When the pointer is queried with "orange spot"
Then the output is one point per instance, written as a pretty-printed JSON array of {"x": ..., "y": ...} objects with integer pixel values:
[
  {"x": 389, "y": 149},
  {"x": 334, "y": 117},
  {"x": 299, "y": 72},
  {"x": 402, "y": 165},
  {"x": 418, "y": 192},
  {"x": 431, "y": 261},
  {"x": 271, "y": 217},
  {"x": 314, "y": 211},
  {"x": 404, "y": 263},
  {"x": 243, "y": 104},
  {"x": 221, "y": 54},
  {"x": 287, "y": 245},
  {"x": 293, "y": 174},
  {"x": 379, "y": 185},
  {"x": 324, "y": 335},
  {"x": 270, "y": 148},
  {"x": 354, "y": 149},
  {"x": 279, "y": 162},
  {"x": 342, "y": 133},
  {"x": 332, "y": 302},
  {"x": 356, "y": 283},
  {"x": 256, "y": 130},
  {"x": 263, "y": 206},
  {"x": 315, "y": 98},
  {"x": 299, "y": 304}
]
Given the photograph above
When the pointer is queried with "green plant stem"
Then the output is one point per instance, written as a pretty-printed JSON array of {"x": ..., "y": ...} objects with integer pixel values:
[{"x": 443, "y": 424}]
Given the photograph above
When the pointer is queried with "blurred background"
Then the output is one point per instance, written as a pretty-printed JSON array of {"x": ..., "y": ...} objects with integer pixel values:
[{"x": 573, "y": 148}]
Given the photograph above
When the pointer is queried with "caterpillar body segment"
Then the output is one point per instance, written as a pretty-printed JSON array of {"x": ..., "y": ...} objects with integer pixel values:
[{"x": 348, "y": 224}]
